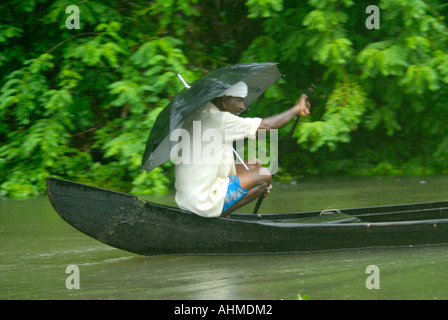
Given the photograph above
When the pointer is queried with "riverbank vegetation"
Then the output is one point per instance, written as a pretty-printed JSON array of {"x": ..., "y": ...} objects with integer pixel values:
[{"x": 80, "y": 103}]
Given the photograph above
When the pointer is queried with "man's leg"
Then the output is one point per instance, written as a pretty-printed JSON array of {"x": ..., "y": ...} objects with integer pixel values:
[
  {"x": 255, "y": 181},
  {"x": 252, "y": 163}
]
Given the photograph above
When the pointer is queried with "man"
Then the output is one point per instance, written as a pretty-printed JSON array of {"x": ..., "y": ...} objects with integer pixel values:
[{"x": 217, "y": 188}]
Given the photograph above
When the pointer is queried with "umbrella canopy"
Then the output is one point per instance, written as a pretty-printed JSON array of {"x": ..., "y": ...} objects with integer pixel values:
[{"x": 257, "y": 76}]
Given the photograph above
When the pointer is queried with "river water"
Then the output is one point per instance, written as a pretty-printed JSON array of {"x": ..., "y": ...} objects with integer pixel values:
[{"x": 37, "y": 246}]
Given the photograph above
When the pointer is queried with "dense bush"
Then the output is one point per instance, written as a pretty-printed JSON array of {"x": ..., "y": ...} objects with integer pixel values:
[{"x": 80, "y": 103}]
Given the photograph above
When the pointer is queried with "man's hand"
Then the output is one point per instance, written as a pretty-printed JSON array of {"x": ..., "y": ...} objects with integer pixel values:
[
  {"x": 268, "y": 191},
  {"x": 303, "y": 106},
  {"x": 277, "y": 121}
]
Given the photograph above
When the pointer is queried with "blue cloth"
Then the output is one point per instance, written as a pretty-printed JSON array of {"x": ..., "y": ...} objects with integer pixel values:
[{"x": 234, "y": 192}]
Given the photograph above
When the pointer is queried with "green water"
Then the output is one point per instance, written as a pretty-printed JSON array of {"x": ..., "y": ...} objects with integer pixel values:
[{"x": 36, "y": 246}]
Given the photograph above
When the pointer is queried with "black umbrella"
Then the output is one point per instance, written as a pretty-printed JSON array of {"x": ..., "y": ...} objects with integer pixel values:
[{"x": 257, "y": 76}]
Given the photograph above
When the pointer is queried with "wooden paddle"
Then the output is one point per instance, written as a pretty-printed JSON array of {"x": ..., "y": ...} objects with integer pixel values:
[{"x": 311, "y": 89}]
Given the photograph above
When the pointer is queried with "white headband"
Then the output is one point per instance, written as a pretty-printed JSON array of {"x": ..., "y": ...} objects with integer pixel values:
[{"x": 237, "y": 90}]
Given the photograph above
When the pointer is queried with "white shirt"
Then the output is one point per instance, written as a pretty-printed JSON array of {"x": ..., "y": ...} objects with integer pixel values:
[{"x": 206, "y": 158}]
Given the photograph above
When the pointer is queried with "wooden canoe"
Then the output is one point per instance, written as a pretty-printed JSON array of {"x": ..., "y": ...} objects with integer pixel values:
[{"x": 130, "y": 223}]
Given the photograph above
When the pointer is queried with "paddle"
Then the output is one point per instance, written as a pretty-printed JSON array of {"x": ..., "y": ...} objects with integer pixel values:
[{"x": 311, "y": 89}]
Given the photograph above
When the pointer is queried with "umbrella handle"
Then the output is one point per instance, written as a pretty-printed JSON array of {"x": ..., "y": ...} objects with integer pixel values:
[
  {"x": 239, "y": 158},
  {"x": 183, "y": 81}
]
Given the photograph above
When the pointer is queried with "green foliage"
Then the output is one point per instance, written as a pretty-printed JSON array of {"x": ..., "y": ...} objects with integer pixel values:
[
  {"x": 304, "y": 297},
  {"x": 80, "y": 104},
  {"x": 84, "y": 108},
  {"x": 344, "y": 110},
  {"x": 376, "y": 88},
  {"x": 264, "y": 8}
]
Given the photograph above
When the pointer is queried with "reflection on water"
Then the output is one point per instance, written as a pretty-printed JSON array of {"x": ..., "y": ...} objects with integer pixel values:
[{"x": 37, "y": 246}]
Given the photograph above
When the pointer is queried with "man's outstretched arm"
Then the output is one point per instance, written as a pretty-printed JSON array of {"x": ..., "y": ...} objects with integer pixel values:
[{"x": 277, "y": 121}]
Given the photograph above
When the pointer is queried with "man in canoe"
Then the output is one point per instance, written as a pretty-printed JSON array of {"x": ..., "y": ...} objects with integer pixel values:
[{"x": 217, "y": 188}]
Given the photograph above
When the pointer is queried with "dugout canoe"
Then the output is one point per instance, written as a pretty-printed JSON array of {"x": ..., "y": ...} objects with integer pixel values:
[{"x": 130, "y": 223}]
